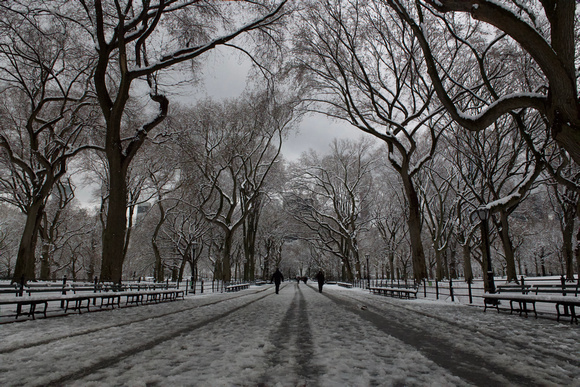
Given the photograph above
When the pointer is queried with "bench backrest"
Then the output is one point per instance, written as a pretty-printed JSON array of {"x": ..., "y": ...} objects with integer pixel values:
[
  {"x": 566, "y": 289},
  {"x": 525, "y": 289}
]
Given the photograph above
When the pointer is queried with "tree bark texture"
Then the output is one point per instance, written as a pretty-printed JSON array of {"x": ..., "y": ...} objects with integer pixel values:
[
  {"x": 26, "y": 260},
  {"x": 414, "y": 223},
  {"x": 508, "y": 248}
]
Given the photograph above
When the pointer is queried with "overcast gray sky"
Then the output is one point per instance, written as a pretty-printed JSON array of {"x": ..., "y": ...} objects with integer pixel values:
[{"x": 225, "y": 76}]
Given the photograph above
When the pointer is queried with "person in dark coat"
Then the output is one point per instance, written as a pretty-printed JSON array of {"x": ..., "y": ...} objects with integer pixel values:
[
  {"x": 277, "y": 278},
  {"x": 320, "y": 278}
]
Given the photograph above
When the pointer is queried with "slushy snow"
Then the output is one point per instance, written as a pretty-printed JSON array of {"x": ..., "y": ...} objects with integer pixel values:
[{"x": 342, "y": 337}]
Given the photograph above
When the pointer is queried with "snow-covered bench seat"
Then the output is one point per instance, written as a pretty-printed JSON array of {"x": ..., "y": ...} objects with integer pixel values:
[
  {"x": 73, "y": 302},
  {"x": 80, "y": 301},
  {"x": 568, "y": 301},
  {"x": 401, "y": 292},
  {"x": 237, "y": 287},
  {"x": 344, "y": 284}
]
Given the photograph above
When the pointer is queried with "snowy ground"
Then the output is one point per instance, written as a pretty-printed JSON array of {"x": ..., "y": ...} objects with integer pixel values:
[{"x": 342, "y": 337}]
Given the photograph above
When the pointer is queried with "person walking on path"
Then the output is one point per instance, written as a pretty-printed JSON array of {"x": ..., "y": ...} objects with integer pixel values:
[
  {"x": 320, "y": 278},
  {"x": 277, "y": 278}
]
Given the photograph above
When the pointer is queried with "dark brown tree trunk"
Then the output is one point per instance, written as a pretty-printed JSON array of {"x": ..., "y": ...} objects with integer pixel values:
[
  {"x": 392, "y": 265},
  {"x": 116, "y": 223},
  {"x": 250, "y": 229},
  {"x": 159, "y": 274},
  {"x": 439, "y": 269},
  {"x": 356, "y": 258},
  {"x": 26, "y": 259},
  {"x": 504, "y": 233},
  {"x": 45, "y": 261},
  {"x": 453, "y": 262},
  {"x": 577, "y": 254},
  {"x": 226, "y": 265},
  {"x": 567, "y": 247},
  {"x": 347, "y": 269},
  {"x": 414, "y": 223},
  {"x": 468, "y": 271}
]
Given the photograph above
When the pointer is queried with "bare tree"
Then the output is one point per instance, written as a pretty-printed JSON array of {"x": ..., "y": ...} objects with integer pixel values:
[
  {"x": 364, "y": 66},
  {"x": 44, "y": 106},
  {"x": 134, "y": 42},
  {"x": 11, "y": 225},
  {"x": 331, "y": 197},
  {"x": 545, "y": 32},
  {"x": 233, "y": 146},
  {"x": 565, "y": 203},
  {"x": 438, "y": 212}
]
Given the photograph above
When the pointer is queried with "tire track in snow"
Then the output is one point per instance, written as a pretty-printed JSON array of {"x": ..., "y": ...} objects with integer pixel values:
[
  {"x": 500, "y": 338},
  {"x": 293, "y": 341},
  {"x": 83, "y": 372},
  {"x": 111, "y": 326},
  {"x": 468, "y": 366}
]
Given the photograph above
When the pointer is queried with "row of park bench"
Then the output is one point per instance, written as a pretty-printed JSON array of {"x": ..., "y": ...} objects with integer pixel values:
[
  {"x": 237, "y": 287},
  {"x": 520, "y": 297},
  {"x": 79, "y": 301},
  {"x": 563, "y": 296},
  {"x": 75, "y": 296},
  {"x": 38, "y": 288},
  {"x": 395, "y": 290}
]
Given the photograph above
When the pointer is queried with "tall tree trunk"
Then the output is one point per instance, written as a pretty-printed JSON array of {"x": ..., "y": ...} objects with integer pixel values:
[
  {"x": 116, "y": 224},
  {"x": 26, "y": 259},
  {"x": 391, "y": 265},
  {"x": 468, "y": 271},
  {"x": 567, "y": 247},
  {"x": 250, "y": 228},
  {"x": 356, "y": 258},
  {"x": 508, "y": 248},
  {"x": 439, "y": 270},
  {"x": 453, "y": 262},
  {"x": 414, "y": 223},
  {"x": 226, "y": 265},
  {"x": 158, "y": 271},
  {"x": 45, "y": 261},
  {"x": 347, "y": 270},
  {"x": 159, "y": 274},
  {"x": 577, "y": 253}
]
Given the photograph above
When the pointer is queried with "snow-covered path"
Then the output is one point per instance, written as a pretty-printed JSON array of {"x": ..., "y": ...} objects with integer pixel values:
[{"x": 342, "y": 337}]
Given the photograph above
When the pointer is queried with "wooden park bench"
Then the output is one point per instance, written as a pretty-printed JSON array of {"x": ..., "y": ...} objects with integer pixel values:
[
  {"x": 9, "y": 289},
  {"x": 79, "y": 301},
  {"x": 561, "y": 296},
  {"x": 237, "y": 287},
  {"x": 344, "y": 284},
  {"x": 395, "y": 291},
  {"x": 156, "y": 296},
  {"x": 72, "y": 302}
]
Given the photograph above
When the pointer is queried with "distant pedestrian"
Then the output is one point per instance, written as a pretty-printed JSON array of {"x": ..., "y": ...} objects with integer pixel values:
[
  {"x": 320, "y": 278},
  {"x": 277, "y": 278},
  {"x": 305, "y": 279}
]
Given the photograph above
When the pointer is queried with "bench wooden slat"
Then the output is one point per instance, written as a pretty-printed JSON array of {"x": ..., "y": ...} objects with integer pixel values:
[
  {"x": 392, "y": 291},
  {"x": 523, "y": 299},
  {"x": 237, "y": 287},
  {"x": 80, "y": 301}
]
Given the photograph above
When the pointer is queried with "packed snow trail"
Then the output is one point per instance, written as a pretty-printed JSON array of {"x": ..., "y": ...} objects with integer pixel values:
[
  {"x": 342, "y": 337},
  {"x": 294, "y": 345},
  {"x": 460, "y": 362}
]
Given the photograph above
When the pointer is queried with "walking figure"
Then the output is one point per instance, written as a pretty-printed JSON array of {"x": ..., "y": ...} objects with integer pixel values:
[
  {"x": 320, "y": 278},
  {"x": 277, "y": 278}
]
